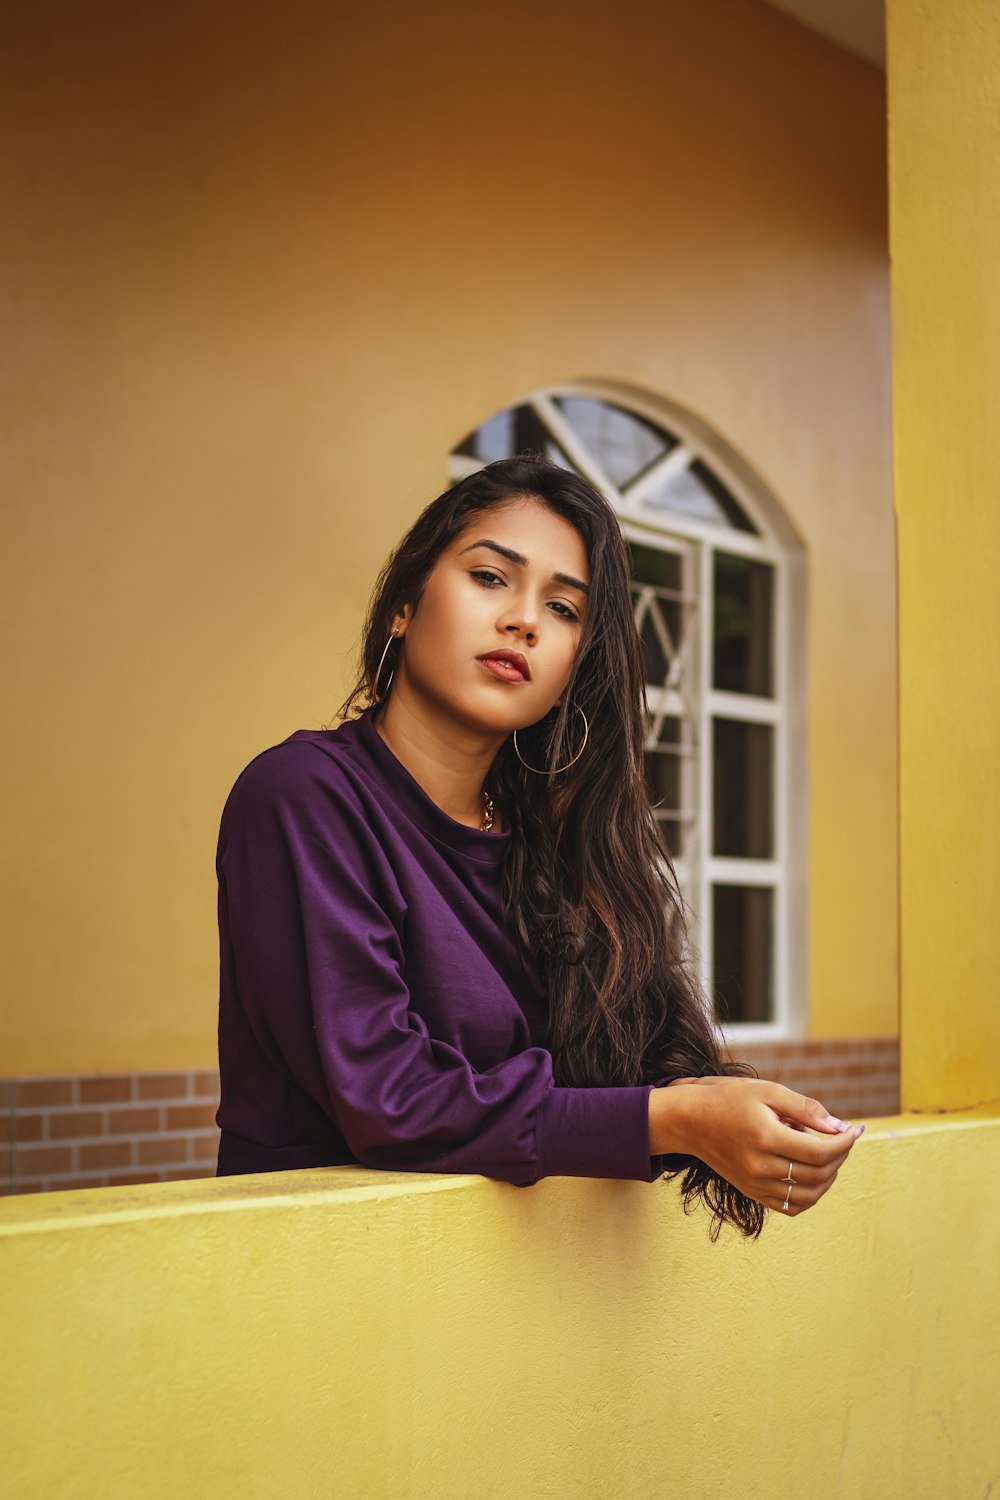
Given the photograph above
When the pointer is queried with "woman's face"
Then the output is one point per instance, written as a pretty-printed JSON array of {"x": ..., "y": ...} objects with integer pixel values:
[{"x": 492, "y": 641}]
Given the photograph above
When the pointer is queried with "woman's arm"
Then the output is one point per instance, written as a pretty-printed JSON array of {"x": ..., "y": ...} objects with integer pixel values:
[
  {"x": 315, "y": 925},
  {"x": 749, "y": 1130}
]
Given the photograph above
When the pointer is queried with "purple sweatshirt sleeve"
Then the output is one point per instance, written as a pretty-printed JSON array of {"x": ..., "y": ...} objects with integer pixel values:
[{"x": 316, "y": 921}]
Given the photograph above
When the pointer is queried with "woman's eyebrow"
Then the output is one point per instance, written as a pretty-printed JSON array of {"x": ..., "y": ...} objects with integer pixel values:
[{"x": 522, "y": 562}]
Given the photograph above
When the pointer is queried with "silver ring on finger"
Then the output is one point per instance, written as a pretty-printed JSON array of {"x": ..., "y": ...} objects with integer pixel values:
[{"x": 787, "y": 1196}]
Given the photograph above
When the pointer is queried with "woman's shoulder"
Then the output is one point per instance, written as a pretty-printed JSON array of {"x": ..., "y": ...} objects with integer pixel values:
[{"x": 310, "y": 766}]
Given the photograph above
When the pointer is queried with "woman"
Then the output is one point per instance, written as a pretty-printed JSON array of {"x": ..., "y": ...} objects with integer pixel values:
[{"x": 450, "y": 939}]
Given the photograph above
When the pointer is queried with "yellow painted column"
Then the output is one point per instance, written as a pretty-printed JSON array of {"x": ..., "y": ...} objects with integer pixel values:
[{"x": 944, "y": 190}]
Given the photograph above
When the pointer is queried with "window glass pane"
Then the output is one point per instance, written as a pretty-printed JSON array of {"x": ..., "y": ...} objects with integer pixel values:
[
  {"x": 623, "y": 443},
  {"x": 659, "y": 615},
  {"x": 696, "y": 492},
  {"x": 742, "y": 784},
  {"x": 672, "y": 833},
  {"x": 495, "y": 439},
  {"x": 743, "y": 952},
  {"x": 741, "y": 628},
  {"x": 663, "y": 768},
  {"x": 659, "y": 622},
  {"x": 515, "y": 430},
  {"x": 656, "y": 565},
  {"x": 674, "y": 735}
]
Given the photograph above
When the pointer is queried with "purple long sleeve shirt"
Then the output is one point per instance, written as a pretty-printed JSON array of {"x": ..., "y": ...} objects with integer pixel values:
[{"x": 373, "y": 1007}]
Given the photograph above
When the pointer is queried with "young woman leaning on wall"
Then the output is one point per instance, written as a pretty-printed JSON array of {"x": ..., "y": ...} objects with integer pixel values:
[{"x": 450, "y": 938}]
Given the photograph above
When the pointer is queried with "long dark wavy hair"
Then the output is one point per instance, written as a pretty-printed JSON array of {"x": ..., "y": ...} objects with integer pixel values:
[{"x": 587, "y": 885}]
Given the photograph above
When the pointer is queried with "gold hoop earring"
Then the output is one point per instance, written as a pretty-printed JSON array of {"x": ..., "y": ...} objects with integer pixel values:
[
  {"x": 556, "y": 769},
  {"x": 376, "y": 695}
]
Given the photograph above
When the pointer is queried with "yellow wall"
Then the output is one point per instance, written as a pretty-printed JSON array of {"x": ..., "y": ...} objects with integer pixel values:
[
  {"x": 945, "y": 191},
  {"x": 362, "y": 1335},
  {"x": 268, "y": 263}
]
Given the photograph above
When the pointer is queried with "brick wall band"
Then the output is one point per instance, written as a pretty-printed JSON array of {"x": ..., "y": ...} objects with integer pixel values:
[{"x": 107, "y": 1130}]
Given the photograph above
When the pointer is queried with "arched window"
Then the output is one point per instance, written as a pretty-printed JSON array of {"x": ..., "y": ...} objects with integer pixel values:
[{"x": 718, "y": 585}]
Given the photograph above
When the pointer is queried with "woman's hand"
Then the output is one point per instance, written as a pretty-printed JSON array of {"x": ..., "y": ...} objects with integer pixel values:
[{"x": 748, "y": 1130}]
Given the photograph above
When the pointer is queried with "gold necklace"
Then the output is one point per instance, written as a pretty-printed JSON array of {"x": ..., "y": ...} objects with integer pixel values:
[{"x": 486, "y": 826}]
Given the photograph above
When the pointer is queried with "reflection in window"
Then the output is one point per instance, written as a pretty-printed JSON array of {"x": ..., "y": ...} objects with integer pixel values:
[
  {"x": 697, "y": 493},
  {"x": 742, "y": 626},
  {"x": 515, "y": 430},
  {"x": 743, "y": 952},
  {"x": 655, "y": 565},
  {"x": 659, "y": 615},
  {"x": 663, "y": 766},
  {"x": 623, "y": 443},
  {"x": 742, "y": 789}
]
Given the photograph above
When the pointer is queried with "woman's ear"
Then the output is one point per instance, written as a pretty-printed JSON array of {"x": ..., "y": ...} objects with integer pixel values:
[{"x": 401, "y": 620}]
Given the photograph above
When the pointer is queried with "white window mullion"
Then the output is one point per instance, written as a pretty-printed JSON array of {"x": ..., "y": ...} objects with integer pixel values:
[
  {"x": 574, "y": 448},
  {"x": 760, "y": 872},
  {"x": 783, "y": 927},
  {"x": 740, "y": 543},
  {"x": 744, "y": 706},
  {"x": 706, "y": 584},
  {"x": 661, "y": 472}
]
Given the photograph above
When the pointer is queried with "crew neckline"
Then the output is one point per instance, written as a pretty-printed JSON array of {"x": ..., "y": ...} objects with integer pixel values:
[{"x": 410, "y": 797}]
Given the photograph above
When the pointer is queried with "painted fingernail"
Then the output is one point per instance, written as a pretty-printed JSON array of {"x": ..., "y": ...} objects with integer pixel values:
[
  {"x": 837, "y": 1124},
  {"x": 859, "y": 1131}
]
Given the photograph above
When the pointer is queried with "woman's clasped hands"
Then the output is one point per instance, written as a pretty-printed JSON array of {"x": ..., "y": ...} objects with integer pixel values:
[{"x": 757, "y": 1135}]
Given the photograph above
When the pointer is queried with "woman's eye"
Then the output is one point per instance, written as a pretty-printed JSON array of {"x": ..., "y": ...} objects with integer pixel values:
[{"x": 490, "y": 580}]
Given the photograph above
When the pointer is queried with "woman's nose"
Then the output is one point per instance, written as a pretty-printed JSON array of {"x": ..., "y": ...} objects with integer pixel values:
[
  {"x": 520, "y": 629},
  {"x": 520, "y": 621}
]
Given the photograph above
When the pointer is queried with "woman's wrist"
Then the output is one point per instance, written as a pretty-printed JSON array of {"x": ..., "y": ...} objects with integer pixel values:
[{"x": 670, "y": 1121}]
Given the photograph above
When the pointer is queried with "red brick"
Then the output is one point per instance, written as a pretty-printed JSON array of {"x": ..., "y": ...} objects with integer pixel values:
[
  {"x": 188, "y": 1174},
  {"x": 163, "y": 1086},
  {"x": 111, "y": 1089},
  {"x": 68, "y": 1184},
  {"x": 36, "y": 1093},
  {"x": 107, "y": 1154},
  {"x": 205, "y": 1147},
  {"x": 190, "y": 1116},
  {"x": 171, "y": 1148},
  {"x": 206, "y": 1085},
  {"x": 28, "y": 1127},
  {"x": 128, "y": 1179},
  {"x": 133, "y": 1121},
  {"x": 29, "y": 1187},
  {"x": 42, "y": 1161},
  {"x": 75, "y": 1124}
]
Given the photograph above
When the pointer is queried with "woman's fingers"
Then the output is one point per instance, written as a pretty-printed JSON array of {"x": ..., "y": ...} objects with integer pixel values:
[
  {"x": 803, "y": 1175},
  {"x": 799, "y": 1109},
  {"x": 814, "y": 1150},
  {"x": 808, "y": 1182},
  {"x": 748, "y": 1130}
]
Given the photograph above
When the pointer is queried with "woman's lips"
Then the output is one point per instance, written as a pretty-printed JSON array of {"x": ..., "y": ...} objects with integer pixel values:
[{"x": 505, "y": 670}]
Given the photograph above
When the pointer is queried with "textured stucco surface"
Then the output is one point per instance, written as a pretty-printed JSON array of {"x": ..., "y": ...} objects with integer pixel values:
[
  {"x": 944, "y": 108},
  {"x": 367, "y": 1335}
]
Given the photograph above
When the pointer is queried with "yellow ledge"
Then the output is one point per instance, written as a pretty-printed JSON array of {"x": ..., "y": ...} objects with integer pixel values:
[{"x": 349, "y": 1333}]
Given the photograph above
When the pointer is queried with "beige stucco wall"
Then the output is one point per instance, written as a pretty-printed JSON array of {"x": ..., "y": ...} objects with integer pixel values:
[{"x": 266, "y": 265}]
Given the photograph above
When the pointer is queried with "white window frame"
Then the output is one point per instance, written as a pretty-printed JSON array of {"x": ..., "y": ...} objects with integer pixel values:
[{"x": 777, "y": 544}]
